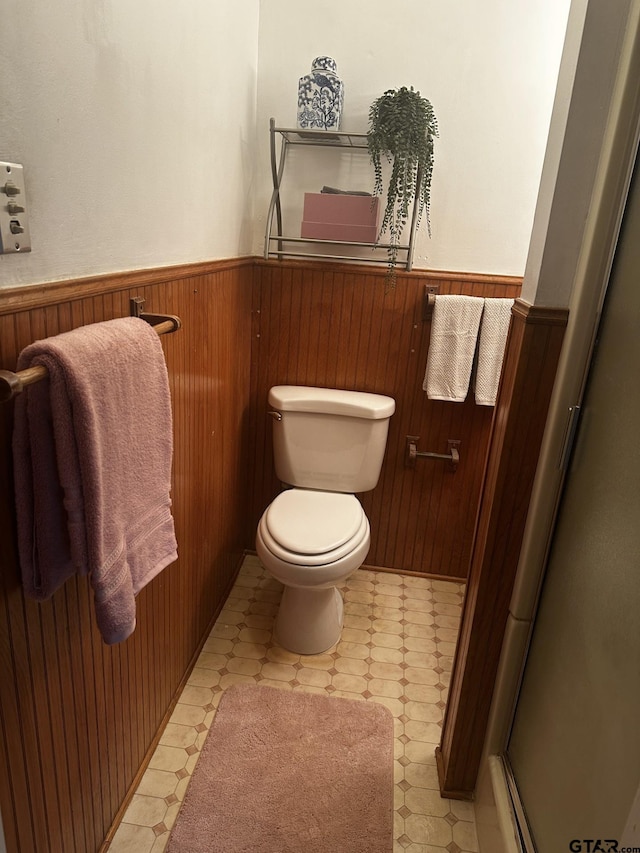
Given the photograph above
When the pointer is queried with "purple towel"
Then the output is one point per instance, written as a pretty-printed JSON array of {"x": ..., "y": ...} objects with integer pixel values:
[{"x": 92, "y": 451}]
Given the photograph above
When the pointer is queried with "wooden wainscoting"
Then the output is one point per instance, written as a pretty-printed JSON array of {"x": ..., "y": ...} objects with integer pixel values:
[
  {"x": 341, "y": 326},
  {"x": 531, "y": 361},
  {"x": 77, "y": 717}
]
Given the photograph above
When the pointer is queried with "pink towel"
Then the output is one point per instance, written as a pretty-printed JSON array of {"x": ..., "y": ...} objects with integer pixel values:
[{"x": 92, "y": 453}]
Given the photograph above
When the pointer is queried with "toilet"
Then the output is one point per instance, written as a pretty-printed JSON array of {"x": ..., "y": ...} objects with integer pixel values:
[{"x": 328, "y": 444}]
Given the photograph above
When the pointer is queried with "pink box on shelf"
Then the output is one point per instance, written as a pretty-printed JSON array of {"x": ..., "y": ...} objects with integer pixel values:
[{"x": 336, "y": 216}]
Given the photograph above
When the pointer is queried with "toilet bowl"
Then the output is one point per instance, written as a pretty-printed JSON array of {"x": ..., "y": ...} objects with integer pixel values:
[
  {"x": 311, "y": 541},
  {"x": 328, "y": 446}
]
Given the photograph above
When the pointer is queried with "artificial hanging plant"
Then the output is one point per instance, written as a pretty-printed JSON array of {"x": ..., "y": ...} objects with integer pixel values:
[{"x": 402, "y": 126}]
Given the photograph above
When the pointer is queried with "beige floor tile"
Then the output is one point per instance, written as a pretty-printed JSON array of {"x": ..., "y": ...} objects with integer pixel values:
[
  {"x": 224, "y": 632},
  {"x": 354, "y": 608},
  {"x": 448, "y": 597},
  {"x": 422, "y": 775},
  {"x": 423, "y": 645},
  {"x": 168, "y": 758},
  {"x": 360, "y": 623},
  {"x": 446, "y": 635},
  {"x": 382, "y": 654},
  {"x": 393, "y": 614},
  {"x": 419, "y": 752},
  {"x": 392, "y": 578},
  {"x": 178, "y": 735},
  {"x": 392, "y": 601},
  {"x": 427, "y": 732},
  {"x": 244, "y": 666},
  {"x": 354, "y": 635},
  {"x": 239, "y": 604},
  {"x": 313, "y": 677},
  {"x": 158, "y": 783},
  {"x": 425, "y": 712},
  {"x": 132, "y": 839},
  {"x": 145, "y": 811},
  {"x": 350, "y": 683},
  {"x": 427, "y": 632},
  {"x": 278, "y": 671},
  {"x": 263, "y": 624},
  {"x": 215, "y": 645},
  {"x": 249, "y": 650},
  {"x": 351, "y": 666},
  {"x": 420, "y": 692},
  {"x": 394, "y": 705},
  {"x": 279, "y": 685},
  {"x": 441, "y": 621},
  {"x": 426, "y": 801},
  {"x": 392, "y": 589},
  {"x": 323, "y": 661},
  {"x": 196, "y": 695},
  {"x": 358, "y": 596},
  {"x": 389, "y": 671},
  {"x": 203, "y": 677},
  {"x": 417, "y": 617},
  {"x": 380, "y": 687},
  {"x": 388, "y": 626},
  {"x": 236, "y": 678},
  {"x": 389, "y": 641},
  {"x": 160, "y": 844},
  {"x": 425, "y": 829},
  {"x": 353, "y": 650},
  {"x": 209, "y": 660},
  {"x": 393, "y": 651},
  {"x": 423, "y": 593},
  {"x": 464, "y": 835},
  {"x": 254, "y": 634},
  {"x": 360, "y": 584},
  {"x": 417, "y": 675},
  {"x": 419, "y": 605},
  {"x": 463, "y": 810},
  {"x": 188, "y": 715}
]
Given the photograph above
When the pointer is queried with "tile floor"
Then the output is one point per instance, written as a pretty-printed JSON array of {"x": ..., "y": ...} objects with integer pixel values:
[{"x": 396, "y": 648}]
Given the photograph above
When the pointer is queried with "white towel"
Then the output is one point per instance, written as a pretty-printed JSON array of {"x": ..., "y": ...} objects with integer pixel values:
[
  {"x": 454, "y": 333},
  {"x": 493, "y": 337}
]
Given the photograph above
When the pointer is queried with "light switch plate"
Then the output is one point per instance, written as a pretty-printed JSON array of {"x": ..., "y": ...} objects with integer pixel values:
[{"x": 14, "y": 221}]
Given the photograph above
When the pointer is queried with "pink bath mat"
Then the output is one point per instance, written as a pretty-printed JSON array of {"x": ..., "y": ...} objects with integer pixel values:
[{"x": 286, "y": 772}]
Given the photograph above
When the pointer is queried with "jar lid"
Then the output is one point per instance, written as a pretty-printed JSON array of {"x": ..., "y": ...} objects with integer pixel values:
[{"x": 325, "y": 63}]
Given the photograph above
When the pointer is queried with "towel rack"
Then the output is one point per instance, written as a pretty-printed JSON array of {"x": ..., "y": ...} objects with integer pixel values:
[
  {"x": 13, "y": 383},
  {"x": 429, "y": 300}
]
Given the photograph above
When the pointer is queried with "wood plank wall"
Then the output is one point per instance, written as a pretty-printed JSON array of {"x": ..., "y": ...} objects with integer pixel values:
[
  {"x": 341, "y": 326},
  {"x": 78, "y": 717},
  {"x": 531, "y": 361}
]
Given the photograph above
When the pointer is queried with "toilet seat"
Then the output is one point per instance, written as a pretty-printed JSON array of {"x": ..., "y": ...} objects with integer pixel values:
[{"x": 306, "y": 527}]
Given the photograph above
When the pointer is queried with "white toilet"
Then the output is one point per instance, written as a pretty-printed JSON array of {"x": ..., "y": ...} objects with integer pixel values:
[{"x": 327, "y": 445}]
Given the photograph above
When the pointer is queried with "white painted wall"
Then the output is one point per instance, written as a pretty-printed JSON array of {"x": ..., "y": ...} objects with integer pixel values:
[
  {"x": 490, "y": 71},
  {"x": 135, "y": 122},
  {"x": 143, "y": 145}
]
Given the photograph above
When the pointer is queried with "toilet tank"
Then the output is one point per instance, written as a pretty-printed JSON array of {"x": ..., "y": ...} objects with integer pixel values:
[{"x": 328, "y": 439}]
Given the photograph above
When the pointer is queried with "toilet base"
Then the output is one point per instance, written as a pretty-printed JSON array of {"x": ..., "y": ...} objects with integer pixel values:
[{"x": 309, "y": 620}]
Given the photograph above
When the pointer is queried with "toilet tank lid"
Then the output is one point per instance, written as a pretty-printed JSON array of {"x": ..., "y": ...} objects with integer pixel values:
[{"x": 332, "y": 401}]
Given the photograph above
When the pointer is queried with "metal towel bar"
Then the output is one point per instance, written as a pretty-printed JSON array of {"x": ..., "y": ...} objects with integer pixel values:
[{"x": 13, "y": 383}]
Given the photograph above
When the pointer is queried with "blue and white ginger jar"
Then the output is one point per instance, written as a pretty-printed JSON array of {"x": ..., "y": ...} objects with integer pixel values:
[{"x": 320, "y": 96}]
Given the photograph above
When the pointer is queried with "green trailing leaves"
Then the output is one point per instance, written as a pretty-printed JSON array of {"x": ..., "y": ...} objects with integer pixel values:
[{"x": 402, "y": 126}]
